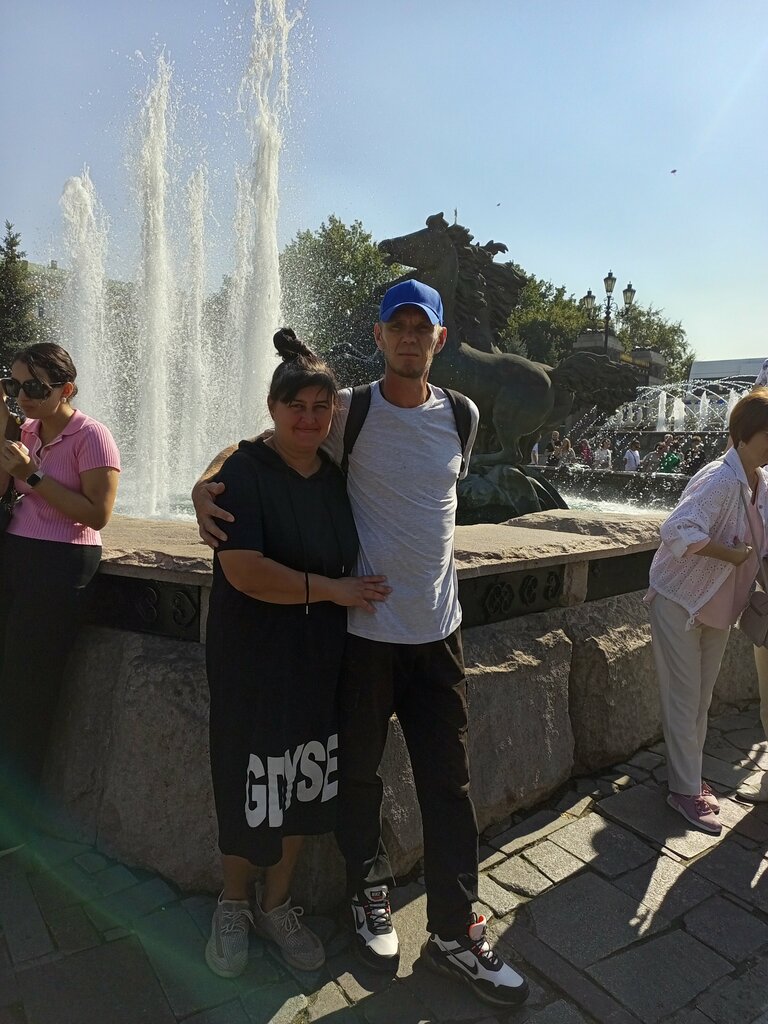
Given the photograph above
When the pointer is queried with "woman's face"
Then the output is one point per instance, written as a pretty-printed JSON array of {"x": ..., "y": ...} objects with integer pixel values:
[
  {"x": 303, "y": 423},
  {"x": 39, "y": 408}
]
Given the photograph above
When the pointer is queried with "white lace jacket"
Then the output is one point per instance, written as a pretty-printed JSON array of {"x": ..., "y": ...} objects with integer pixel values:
[{"x": 710, "y": 509}]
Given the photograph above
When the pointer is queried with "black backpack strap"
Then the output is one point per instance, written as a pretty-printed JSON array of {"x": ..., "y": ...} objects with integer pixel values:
[
  {"x": 462, "y": 413},
  {"x": 359, "y": 404}
]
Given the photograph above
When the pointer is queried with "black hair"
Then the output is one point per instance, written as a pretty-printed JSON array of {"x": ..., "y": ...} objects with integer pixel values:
[
  {"x": 300, "y": 368},
  {"x": 55, "y": 361}
]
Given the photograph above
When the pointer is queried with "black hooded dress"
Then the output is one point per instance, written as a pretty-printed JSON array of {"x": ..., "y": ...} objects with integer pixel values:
[{"x": 273, "y": 669}]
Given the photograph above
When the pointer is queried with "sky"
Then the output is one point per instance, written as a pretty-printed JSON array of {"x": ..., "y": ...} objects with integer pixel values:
[{"x": 553, "y": 126}]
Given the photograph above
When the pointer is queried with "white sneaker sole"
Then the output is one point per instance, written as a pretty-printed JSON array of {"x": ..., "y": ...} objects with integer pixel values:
[{"x": 217, "y": 967}]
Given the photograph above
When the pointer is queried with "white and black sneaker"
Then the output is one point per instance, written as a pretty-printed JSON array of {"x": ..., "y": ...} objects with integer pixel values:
[
  {"x": 376, "y": 939},
  {"x": 472, "y": 961}
]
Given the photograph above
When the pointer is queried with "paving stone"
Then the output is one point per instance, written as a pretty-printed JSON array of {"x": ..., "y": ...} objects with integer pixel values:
[
  {"x": 730, "y": 931},
  {"x": 72, "y": 931},
  {"x": 752, "y": 827},
  {"x": 409, "y": 916},
  {"x": 575, "y": 804},
  {"x": 690, "y": 1017},
  {"x": 328, "y": 1002},
  {"x": 715, "y": 770},
  {"x": 646, "y": 759},
  {"x": 74, "y": 886},
  {"x": 489, "y": 857},
  {"x": 200, "y": 909},
  {"x": 116, "y": 933},
  {"x": 606, "y": 847},
  {"x": 176, "y": 950},
  {"x": 50, "y": 893},
  {"x": 739, "y": 1000},
  {"x": 733, "y": 720},
  {"x": 732, "y": 812},
  {"x": 9, "y": 988},
  {"x": 528, "y": 832},
  {"x": 574, "y": 983},
  {"x": 448, "y": 1000},
  {"x": 559, "y": 1013},
  {"x": 112, "y": 983},
  {"x": 123, "y": 908},
  {"x": 48, "y": 853},
  {"x": 587, "y": 918},
  {"x": 114, "y": 879},
  {"x": 23, "y": 926},
  {"x": 498, "y": 827},
  {"x": 555, "y": 862},
  {"x": 720, "y": 747},
  {"x": 633, "y": 771},
  {"x": 275, "y": 1004},
  {"x": 680, "y": 968},
  {"x": 500, "y": 900},
  {"x": 746, "y": 739},
  {"x": 741, "y": 872},
  {"x": 92, "y": 861},
  {"x": 520, "y": 876},
  {"x": 355, "y": 979},
  {"x": 645, "y": 810},
  {"x": 229, "y": 1013},
  {"x": 394, "y": 1004},
  {"x": 665, "y": 885}
]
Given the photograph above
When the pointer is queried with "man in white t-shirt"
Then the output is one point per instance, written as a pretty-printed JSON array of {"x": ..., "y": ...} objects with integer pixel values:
[
  {"x": 632, "y": 458},
  {"x": 407, "y": 658}
]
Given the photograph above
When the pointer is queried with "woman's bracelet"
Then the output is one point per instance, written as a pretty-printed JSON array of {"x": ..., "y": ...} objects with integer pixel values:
[{"x": 306, "y": 593}]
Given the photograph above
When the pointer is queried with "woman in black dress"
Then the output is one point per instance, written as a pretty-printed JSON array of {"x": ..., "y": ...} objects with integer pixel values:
[{"x": 275, "y": 638}]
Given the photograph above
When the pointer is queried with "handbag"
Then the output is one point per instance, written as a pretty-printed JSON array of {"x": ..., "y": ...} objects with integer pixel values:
[{"x": 754, "y": 619}]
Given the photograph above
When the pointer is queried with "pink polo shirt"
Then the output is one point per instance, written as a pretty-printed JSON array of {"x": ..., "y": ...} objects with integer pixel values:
[{"x": 82, "y": 445}]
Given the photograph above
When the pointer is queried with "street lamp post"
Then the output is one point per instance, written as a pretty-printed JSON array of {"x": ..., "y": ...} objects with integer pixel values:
[{"x": 610, "y": 303}]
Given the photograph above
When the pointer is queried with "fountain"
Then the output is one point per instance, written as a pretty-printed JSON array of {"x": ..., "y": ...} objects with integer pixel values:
[{"x": 153, "y": 384}]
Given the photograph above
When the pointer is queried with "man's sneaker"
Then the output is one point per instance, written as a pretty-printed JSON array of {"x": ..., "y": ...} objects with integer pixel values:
[
  {"x": 375, "y": 936},
  {"x": 227, "y": 950},
  {"x": 754, "y": 792},
  {"x": 710, "y": 798},
  {"x": 298, "y": 945},
  {"x": 696, "y": 810},
  {"x": 471, "y": 960}
]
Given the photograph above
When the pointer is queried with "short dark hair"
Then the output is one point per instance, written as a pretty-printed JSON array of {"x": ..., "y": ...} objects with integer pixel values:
[
  {"x": 55, "y": 361},
  {"x": 300, "y": 369},
  {"x": 749, "y": 415}
]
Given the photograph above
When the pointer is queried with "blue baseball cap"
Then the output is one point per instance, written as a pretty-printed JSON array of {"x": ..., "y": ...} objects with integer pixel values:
[{"x": 412, "y": 293}]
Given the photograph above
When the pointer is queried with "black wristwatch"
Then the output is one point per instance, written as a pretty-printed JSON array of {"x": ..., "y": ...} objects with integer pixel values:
[{"x": 34, "y": 479}]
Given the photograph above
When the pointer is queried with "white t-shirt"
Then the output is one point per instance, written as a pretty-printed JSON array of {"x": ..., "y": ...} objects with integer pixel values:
[
  {"x": 631, "y": 460},
  {"x": 402, "y": 487}
]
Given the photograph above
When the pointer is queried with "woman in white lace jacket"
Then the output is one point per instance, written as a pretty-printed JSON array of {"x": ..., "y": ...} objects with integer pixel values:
[{"x": 700, "y": 582}]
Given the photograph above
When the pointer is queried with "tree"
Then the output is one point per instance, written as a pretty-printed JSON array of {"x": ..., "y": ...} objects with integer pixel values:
[
  {"x": 17, "y": 297},
  {"x": 545, "y": 324},
  {"x": 331, "y": 281},
  {"x": 646, "y": 327}
]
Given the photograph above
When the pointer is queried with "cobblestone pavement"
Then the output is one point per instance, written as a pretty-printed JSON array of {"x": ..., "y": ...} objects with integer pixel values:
[{"x": 614, "y": 909}]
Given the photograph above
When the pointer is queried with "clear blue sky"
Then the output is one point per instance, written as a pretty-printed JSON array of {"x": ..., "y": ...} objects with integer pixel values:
[{"x": 570, "y": 115}]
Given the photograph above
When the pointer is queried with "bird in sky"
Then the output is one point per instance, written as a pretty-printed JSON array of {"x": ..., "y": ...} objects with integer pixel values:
[{"x": 673, "y": 171}]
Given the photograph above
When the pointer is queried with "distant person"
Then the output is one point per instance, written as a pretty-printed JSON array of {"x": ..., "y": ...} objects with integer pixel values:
[
  {"x": 651, "y": 462},
  {"x": 670, "y": 461},
  {"x": 700, "y": 582},
  {"x": 535, "y": 454},
  {"x": 603, "y": 456},
  {"x": 567, "y": 454},
  {"x": 632, "y": 457},
  {"x": 695, "y": 457},
  {"x": 584, "y": 452},
  {"x": 761, "y": 380},
  {"x": 552, "y": 449},
  {"x": 66, "y": 466}
]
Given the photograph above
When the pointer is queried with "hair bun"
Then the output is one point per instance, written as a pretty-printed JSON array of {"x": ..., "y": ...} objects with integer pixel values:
[{"x": 289, "y": 347}]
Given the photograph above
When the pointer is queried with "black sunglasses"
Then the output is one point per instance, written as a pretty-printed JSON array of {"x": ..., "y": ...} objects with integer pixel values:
[{"x": 32, "y": 388}]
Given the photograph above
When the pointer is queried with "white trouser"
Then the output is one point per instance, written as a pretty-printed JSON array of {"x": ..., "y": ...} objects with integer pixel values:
[
  {"x": 761, "y": 660},
  {"x": 687, "y": 662}
]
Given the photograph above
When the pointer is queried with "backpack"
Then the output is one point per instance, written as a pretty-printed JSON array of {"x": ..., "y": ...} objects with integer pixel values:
[{"x": 360, "y": 403}]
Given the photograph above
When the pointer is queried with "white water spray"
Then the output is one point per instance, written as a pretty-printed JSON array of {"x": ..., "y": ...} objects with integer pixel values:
[
  {"x": 661, "y": 414},
  {"x": 703, "y": 411}
]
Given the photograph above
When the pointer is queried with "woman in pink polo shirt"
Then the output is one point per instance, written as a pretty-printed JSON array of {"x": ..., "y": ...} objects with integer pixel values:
[
  {"x": 701, "y": 578},
  {"x": 66, "y": 468}
]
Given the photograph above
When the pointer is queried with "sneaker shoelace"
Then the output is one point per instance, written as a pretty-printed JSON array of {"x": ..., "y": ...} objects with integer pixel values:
[
  {"x": 379, "y": 915},
  {"x": 705, "y": 790},
  {"x": 481, "y": 947},
  {"x": 235, "y": 920},
  {"x": 701, "y": 806}
]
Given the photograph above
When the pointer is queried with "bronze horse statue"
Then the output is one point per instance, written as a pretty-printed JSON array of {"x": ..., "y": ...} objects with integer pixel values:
[{"x": 513, "y": 393}]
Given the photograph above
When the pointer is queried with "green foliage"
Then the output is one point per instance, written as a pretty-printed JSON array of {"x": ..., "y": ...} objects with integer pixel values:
[
  {"x": 545, "y": 324},
  {"x": 331, "y": 281},
  {"x": 646, "y": 327},
  {"x": 17, "y": 297}
]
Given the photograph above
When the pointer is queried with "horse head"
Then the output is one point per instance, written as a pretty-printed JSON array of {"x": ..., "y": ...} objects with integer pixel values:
[{"x": 430, "y": 252}]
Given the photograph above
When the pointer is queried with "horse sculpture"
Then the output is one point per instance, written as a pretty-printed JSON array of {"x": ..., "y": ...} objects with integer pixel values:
[{"x": 512, "y": 393}]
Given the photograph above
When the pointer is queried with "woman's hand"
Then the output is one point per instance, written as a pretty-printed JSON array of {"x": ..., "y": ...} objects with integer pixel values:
[
  {"x": 358, "y": 591},
  {"x": 16, "y": 460},
  {"x": 5, "y": 413},
  {"x": 741, "y": 553}
]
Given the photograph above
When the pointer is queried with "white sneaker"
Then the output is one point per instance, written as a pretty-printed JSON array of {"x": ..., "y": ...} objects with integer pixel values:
[
  {"x": 754, "y": 793},
  {"x": 227, "y": 950},
  {"x": 376, "y": 939},
  {"x": 298, "y": 945},
  {"x": 470, "y": 959}
]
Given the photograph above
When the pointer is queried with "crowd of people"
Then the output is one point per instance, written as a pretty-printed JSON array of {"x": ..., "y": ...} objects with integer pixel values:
[
  {"x": 668, "y": 456},
  {"x": 334, "y": 604}
]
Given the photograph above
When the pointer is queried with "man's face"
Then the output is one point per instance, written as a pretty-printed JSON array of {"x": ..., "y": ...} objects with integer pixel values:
[{"x": 409, "y": 342}]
